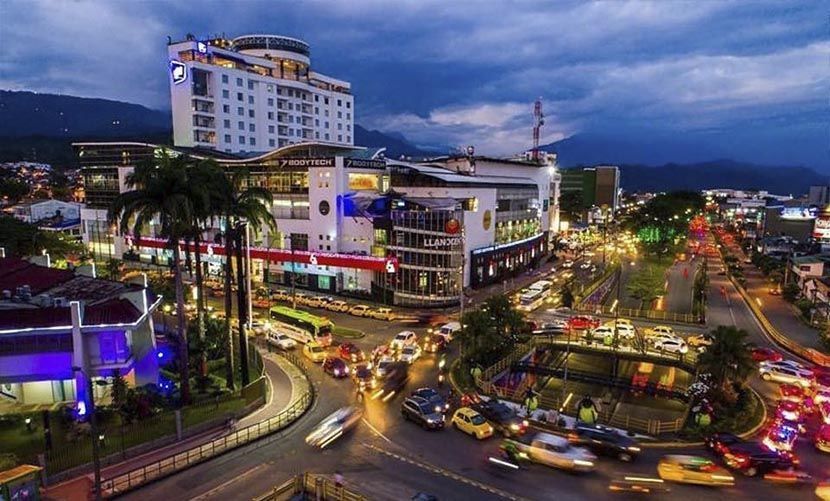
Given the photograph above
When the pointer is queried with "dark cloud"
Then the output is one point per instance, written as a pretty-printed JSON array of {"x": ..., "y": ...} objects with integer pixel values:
[{"x": 454, "y": 72}]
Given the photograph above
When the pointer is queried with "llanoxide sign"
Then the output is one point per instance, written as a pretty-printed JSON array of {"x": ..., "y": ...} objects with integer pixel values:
[{"x": 431, "y": 243}]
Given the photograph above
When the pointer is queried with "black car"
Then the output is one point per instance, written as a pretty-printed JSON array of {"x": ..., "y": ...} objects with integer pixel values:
[
  {"x": 335, "y": 367},
  {"x": 719, "y": 443},
  {"x": 397, "y": 374},
  {"x": 422, "y": 412},
  {"x": 753, "y": 458},
  {"x": 433, "y": 397},
  {"x": 503, "y": 418},
  {"x": 605, "y": 442}
]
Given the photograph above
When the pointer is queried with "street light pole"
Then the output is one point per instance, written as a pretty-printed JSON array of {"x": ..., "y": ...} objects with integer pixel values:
[{"x": 93, "y": 425}]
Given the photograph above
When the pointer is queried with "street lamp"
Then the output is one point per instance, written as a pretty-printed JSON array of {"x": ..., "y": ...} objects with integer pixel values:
[{"x": 93, "y": 424}]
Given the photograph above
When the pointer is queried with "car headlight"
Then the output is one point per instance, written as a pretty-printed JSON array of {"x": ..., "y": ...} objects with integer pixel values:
[
  {"x": 514, "y": 427},
  {"x": 580, "y": 462},
  {"x": 525, "y": 423},
  {"x": 633, "y": 449},
  {"x": 437, "y": 408}
]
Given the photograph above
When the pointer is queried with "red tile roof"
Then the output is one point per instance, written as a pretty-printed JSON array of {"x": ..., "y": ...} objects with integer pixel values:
[
  {"x": 15, "y": 273},
  {"x": 113, "y": 311}
]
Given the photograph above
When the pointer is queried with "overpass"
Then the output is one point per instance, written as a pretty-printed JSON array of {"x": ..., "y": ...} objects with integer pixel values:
[{"x": 686, "y": 362}]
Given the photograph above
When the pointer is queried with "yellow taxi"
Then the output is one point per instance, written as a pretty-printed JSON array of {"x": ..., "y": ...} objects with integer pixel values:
[
  {"x": 472, "y": 423},
  {"x": 693, "y": 470},
  {"x": 314, "y": 352}
]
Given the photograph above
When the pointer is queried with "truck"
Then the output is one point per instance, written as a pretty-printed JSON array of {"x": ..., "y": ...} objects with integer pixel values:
[{"x": 549, "y": 450}]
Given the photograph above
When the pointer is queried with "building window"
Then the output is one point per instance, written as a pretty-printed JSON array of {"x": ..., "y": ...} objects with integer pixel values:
[
  {"x": 270, "y": 88},
  {"x": 239, "y": 82},
  {"x": 270, "y": 129},
  {"x": 241, "y": 125},
  {"x": 326, "y": 101},
  {"x": 290, "y": 92},
  {"x": 227, "y": 123},
  {"x": 251, "y": 113},
  {"x": 316, "y": 110},
  {"x": 270, "y": 115},
  {"x": 290, "y": 131},
  {"x": 340, "y": 138},
  {"x": 327, "y": 125},
  {"x": 227, "y": 138},
  {"x": 239, "y": 96},
  {"x": 225, "y": 79},
  {"x": 316, "y": 135},
  {"x": 226, "y": 94},
  {"x": 348, "y": 104},
  {"x": 271, "y": 143},
  {"x": 251, "y": 128},
  {"x": 316, "y": 98},
  {"x": 348, "y": 116},
  {"x": 316, "y": 122},
  {"x": 339, "y": 114},
  {"x": 252, "y": 141},
  {"x": 250, "y": 99},
  {"x": 240, "y": 111},
  {"x": 326, "y": 113},
  {"x": 270, "y": 101},
  {"x": 339, "y": 126},
  {"x": 241, "y": 139},
  {"x": 348, "y": 139},
  {"x": 226, "y": 108},
  {"x": 327, "y": 136},
  {"x": 250, "y": 85},
  {"x": 348, "y": 127}
]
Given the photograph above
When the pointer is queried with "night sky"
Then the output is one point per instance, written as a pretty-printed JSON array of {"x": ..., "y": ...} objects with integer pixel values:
[{"x": 450, "y": 72}]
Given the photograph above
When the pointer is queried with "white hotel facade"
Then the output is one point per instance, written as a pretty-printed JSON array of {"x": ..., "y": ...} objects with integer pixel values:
[{"x": 254, "y": 93}]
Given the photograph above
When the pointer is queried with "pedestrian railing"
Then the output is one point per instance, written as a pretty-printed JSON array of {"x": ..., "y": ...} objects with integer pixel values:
[
  {"x": 316, "y": 486},
  {"x": 666, "y": 316},
  {"x": 810, "y": 354},
  {"x": 177, "y": 462}
]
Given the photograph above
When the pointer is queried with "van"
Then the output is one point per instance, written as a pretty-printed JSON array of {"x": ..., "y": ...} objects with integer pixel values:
[{"x": 448, "y": 330}]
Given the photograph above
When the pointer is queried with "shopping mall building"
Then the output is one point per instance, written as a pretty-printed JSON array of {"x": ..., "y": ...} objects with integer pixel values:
[{"x": 348, "y": 219}]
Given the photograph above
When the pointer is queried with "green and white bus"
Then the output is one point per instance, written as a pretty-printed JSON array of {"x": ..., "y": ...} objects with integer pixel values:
[{"x": 301, "y": 326}]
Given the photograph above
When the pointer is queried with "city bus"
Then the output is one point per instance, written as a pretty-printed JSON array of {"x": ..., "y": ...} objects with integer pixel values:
[
  {"x": 531, "y": 300},
  {"x": 301, "y": 326},
  {"x": 543, "y": 286}
]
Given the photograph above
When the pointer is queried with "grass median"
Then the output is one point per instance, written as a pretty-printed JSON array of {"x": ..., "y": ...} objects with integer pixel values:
[{"x": 346, "y": 332}]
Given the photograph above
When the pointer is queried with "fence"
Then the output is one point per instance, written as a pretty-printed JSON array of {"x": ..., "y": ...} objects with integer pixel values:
[
  {"x": 125, "y": 440},
  {"x": 810, "y": 354},
  {"x": 320, "y": 487},
  {"x": 183, "y": 460},
  {"x": 564, "y": 404},
  {"x": 666, "y": 316},
  {"x": 607, "y": 277}
]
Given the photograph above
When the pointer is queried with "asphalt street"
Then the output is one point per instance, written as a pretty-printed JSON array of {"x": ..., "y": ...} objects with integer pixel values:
[{"x": 389, "y": 458}]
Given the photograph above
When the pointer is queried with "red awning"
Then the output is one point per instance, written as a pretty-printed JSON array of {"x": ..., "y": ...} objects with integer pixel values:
[{"x": 352, "y": 261}]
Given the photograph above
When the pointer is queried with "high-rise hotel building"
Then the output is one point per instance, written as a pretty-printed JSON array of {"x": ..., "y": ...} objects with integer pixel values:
[{"x": 254, "y": 93}]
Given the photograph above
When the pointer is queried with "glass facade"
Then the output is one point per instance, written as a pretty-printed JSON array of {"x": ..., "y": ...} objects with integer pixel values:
[
  {"x": 430, "y": 259},
  {"x": 492, "y": 265}
]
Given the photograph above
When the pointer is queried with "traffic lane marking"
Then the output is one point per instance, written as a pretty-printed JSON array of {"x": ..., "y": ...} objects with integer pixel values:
[
  {"x": 226, "y": 484},
  {"x": 377, "y": 432},
  {"x": 445, "y": 473}
]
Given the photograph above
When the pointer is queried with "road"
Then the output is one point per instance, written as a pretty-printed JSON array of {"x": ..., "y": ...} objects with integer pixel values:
[
  {"x": 681, "y": 285},
  {"x": 388, "y": 458}
]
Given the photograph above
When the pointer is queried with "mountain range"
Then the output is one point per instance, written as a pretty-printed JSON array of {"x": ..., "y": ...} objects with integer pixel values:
[{"x": 41, "y": 127}]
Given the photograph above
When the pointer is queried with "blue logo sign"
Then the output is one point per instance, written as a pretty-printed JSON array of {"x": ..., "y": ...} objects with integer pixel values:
[{"x": 178, "y": 71}]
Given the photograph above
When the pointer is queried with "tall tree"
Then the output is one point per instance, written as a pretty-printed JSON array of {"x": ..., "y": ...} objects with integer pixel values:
[
  {"x": 729, "y": 357},
  {"x": 242, "y": 204},
  {"x": 159, "y": 191}
]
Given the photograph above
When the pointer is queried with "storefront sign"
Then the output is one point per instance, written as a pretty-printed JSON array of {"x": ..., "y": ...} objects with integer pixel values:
[
  {"x": 307, "y": 162},
  {"x": 797, "y": 213},
  {"x": 431, "y": 243},
  {"x": 361, "y": 163},
  {"x": 821, "y": 228}
]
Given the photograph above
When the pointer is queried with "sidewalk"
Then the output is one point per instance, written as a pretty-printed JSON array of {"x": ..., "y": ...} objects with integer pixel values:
[
  {"x": 781, "y": 314},
  {"x": 284, "y": 380}
]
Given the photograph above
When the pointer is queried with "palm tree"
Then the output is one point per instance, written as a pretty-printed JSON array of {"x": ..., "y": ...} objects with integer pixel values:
[
  {"x": 204, "y": 197},
  {"x": 241, "y": 205},
  {"x": 160, "y": 191},
  {"x": 729, "y": 357}
]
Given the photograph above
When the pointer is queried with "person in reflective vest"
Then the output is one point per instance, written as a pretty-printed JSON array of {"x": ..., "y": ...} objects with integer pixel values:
[{"x": 587, "y": 411}]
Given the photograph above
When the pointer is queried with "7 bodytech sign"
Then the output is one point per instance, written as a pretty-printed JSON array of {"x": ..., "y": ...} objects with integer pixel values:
[
  {"x": 307, "y": 162},
  {"x": 363, "y": 163}
]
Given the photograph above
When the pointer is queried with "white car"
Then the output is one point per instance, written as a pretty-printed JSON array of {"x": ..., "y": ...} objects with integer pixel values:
[
  {"x": 672, "y": 345},
  {"x": 624, "y": 328},
  {"x": 448, "y": 330},
  {"x": 319, "y": 301},
  {"x": 784, "y": 374},
  {"x": 585, "y": 265},
  {"x": 402, "y": 339},
  {"x": 280, "y": 340},
  {"x": 567, "y": 264},
  {"x": 557, "y": 452},
  {"x": 410, "y": 353},
  {"x": 602, "y": 332},
  {"x": 663, "y": 329},
  {"x": 334, "y": 426},
  {"x": 360, "y": 310},
  {"x": 338, "y": 306},
  {"x": 790, "y": 364}
]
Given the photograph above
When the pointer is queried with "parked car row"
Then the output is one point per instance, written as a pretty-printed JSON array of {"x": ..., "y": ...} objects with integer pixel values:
[{"x": 331, "y": 304}]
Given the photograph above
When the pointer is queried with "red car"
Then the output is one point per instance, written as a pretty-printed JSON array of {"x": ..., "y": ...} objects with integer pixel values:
[
  {"x": 583, "y": 323},
  {"x": 792, "y": 392},
  {"x": 435, "y": 343},
  {"x": 350, "y": 352},
  {"x": 335, "y": 367},
  {"x": 766, "y": 355},
  {"x": 789, "y": 410}
]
